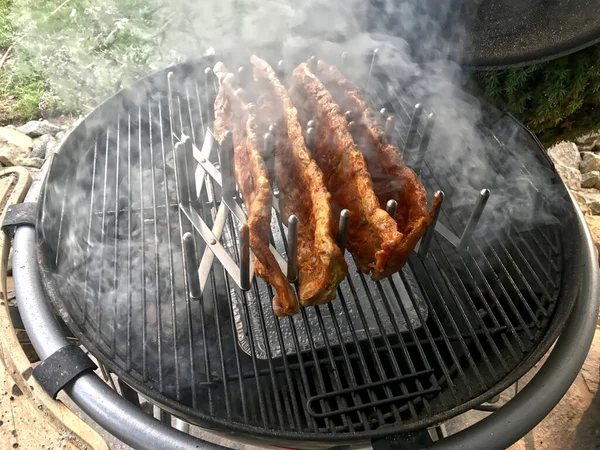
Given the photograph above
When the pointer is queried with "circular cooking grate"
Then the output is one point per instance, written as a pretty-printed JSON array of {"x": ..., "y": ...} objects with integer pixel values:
[{"x": 448, "y": 332}]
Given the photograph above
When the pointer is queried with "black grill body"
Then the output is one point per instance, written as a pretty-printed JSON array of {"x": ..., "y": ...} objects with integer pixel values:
[{"x": 448, "y": 332}]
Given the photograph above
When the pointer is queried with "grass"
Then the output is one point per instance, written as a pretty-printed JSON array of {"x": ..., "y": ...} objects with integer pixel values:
[{"x": 69, "y": 56}]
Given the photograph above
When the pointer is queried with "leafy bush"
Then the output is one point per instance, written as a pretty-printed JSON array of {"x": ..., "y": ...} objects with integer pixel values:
[
  {"x": 82, "y": 51},
  {"x": 559, "y": 99},
  {"x": 72, "y": 55}
]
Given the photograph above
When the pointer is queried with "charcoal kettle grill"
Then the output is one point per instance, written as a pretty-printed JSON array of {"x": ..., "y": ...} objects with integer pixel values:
[{"x": 126, "y": 214}]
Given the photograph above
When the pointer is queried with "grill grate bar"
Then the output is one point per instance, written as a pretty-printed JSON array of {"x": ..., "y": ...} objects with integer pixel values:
[
  {"x": 302, "y": 369},
  {"x": 438, "y": 323},
  {"x": 430, "y": 339},
  {"x": 89, "y": 233},
  {"x": 286, "y": 369},
  {"x": 170, "y": 246},
  {"x": 379, "y": 368},
  {"x": 346, "y": 358},
  {"x": 392, "y": 358},
  {"x": 535, "y": 257},
  {"x": 142, "y": 250},
  {"x": 531, "y": 271},
  {"x": 269, "y": 359},
  {"x": 403, "y": 346},
  {"x": 466, "y": 320},
  {"x": 103, "y": 232},
  {"x": 117, "y": 241},
  {"x": 60, "y": 223},
  {"x": 307, "y": 328},
  {"x": 220, "y": 342},
  {"x": 488, "y": 263},
  {"x": 159, "y": 340},
  {"x": 514, "y": 286},
  {"x": 361, "y": 356},
  {"x": 483, "y": 327},
  {"x": 206, "y": 352},
  {"x": 251, "y": 338},
  {"x": 129, "y": 246},
  {"x": 334, "y": 370},
  {"x": 317, "y": 366},
  {"x": 354, "y": 357},
  {"x": 252, "y": 342},
  {"x": 399, "y": 379},
  {"x": 437, "y": 286}
]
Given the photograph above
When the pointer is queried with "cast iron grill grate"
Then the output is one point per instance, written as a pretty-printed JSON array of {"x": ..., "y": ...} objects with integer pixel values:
[{"x": 448, "y": 331}]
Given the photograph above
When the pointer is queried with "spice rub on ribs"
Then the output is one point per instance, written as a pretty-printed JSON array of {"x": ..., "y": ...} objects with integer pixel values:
[
  {"x": 302, "y": 192},
  {"x": 392, "y": 179},
  {"x": 233, "y": 112},
  {"x": 373, "y": 237}
]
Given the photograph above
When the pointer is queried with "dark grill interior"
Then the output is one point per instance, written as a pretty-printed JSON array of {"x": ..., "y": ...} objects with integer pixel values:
[{"x": 441, "y": 336}]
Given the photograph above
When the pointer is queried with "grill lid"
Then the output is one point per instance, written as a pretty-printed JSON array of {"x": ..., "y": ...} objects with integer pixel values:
[{"x": 494, "y": 33}]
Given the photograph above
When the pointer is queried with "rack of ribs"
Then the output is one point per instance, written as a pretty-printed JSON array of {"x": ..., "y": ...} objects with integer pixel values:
[
  {"x": 235, "y": 113},
  {"x": 392, "y": 179},
  {"x": 302, "y": 192},
  {"x": 373, "y": 235}
]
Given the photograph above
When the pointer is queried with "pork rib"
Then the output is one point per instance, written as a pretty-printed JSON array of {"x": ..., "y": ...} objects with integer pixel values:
[
  {"x": 234, "y": 113},
  {"x": 392, "y": 179},
  {"x": 302, "y": 190},
  {"x": 373, "y": 235}
]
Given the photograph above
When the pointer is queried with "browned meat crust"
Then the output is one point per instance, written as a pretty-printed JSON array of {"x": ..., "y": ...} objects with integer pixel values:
[
  {"x": 232, "y": 112},
  {"x": 321, "y": 265},
  {"x": 373, "y": 236},
  {"x": 392, "y": 179}
]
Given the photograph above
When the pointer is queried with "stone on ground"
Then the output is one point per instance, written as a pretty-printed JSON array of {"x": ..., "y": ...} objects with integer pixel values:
[
  {"x": 33, "y": 162},
  {"x": 37, "y": 128},
  {"x": 570, "y": 176},
  {"x": 591, "y": 198},
  {"x": 14, "y": 146},
  {"x": 565, "y": 153},
  {"x": 591, "y": 179},
  {"x": 590, "y": 164},
  {"x": 40, "y": 146}
]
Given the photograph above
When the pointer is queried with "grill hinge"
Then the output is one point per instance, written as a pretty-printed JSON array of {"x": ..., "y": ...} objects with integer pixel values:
[
  {"x": 61, "y": 367},
  {"x": 19, "y": 214}
]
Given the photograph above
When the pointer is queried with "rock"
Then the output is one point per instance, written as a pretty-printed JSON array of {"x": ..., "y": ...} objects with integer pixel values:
[
  {"x": 585, "y": 209},
  {"x": 14, "y": 146},
  {"x": 40, "y": 145},
  {"x": 590, "y": 164},
  {"x": 60, "y": 135},
  {"x": 591, "y": 198},
  {"x": 565, "y": 153},
  {"x": 591, "y": 179},
  {"x": 585, "y": 156},
  {"x": 37, "y": 128},
  {"x": 589, "y": 144},
  {"x": 570, "y": 176},
  {"x": 33, "y": 162},
  {"x": 586, "y": 138},
  {"x": 12, "y": 127}
]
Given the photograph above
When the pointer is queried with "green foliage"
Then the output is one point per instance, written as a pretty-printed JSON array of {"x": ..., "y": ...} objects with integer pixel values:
[
  {"x": 559, "y": 99},
  {"x": 6, "y": 28}
]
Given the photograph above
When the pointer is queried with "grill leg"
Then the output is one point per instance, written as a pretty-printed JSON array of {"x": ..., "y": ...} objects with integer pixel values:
[
  {"x": 161, "y": 415},
  {"x": 181, "y": 425},
  {"x": 129, "y": 393}
]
